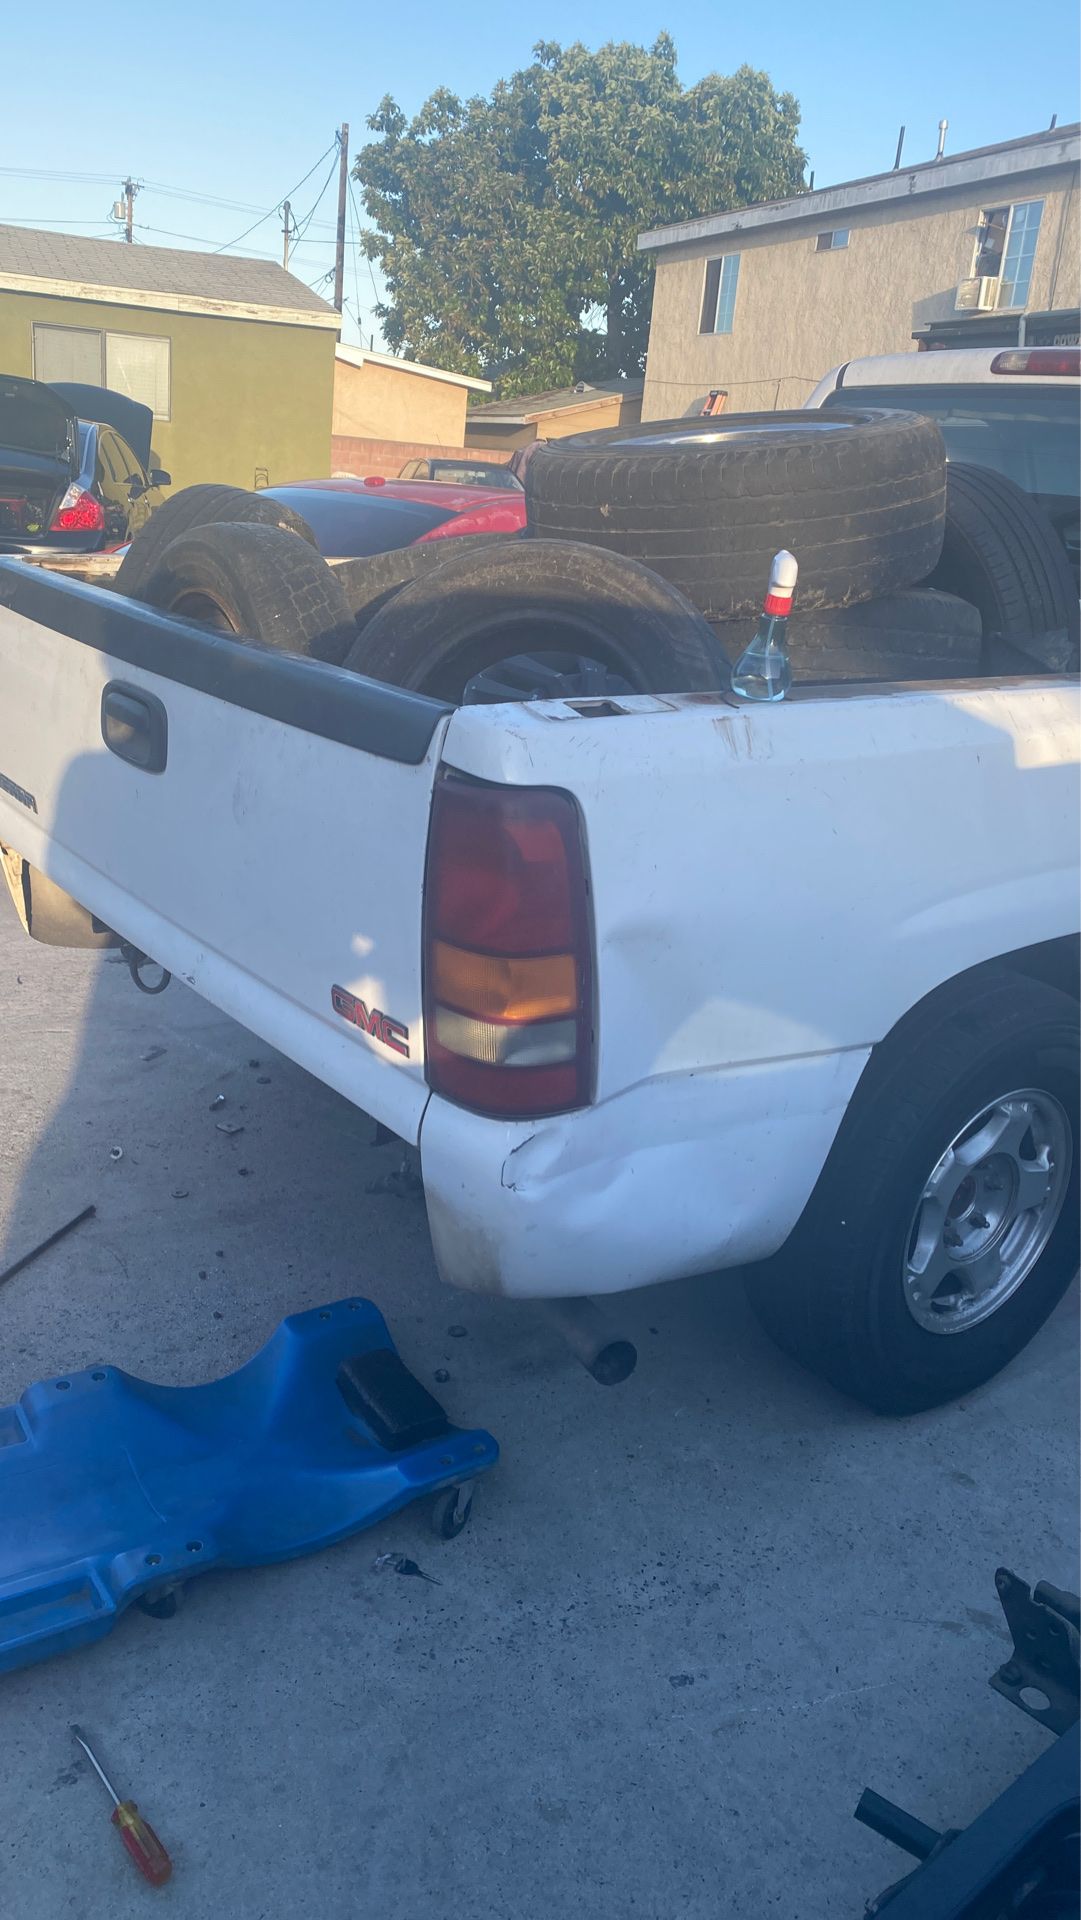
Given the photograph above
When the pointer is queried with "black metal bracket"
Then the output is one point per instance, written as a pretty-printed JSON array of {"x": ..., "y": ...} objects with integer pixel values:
[{"x": 1046, "y": 1654}]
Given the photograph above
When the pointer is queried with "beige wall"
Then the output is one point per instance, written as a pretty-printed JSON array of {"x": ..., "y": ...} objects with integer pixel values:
[
  {"x": 613, "y": 411},
  {"x": 248, "y": 397},
  {"x": 387, "y": 403},
  {"x": 799, "y": 312}
]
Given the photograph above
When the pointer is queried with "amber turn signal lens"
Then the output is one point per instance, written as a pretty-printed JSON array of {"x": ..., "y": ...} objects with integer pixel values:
[{"x": 494, "y": 988}]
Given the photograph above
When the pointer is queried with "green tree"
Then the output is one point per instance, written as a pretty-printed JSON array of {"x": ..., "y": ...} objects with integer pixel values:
[{"x": 506, "y": 226}]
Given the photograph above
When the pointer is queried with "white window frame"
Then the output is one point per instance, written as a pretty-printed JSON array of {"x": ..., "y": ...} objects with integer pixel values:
[
  {"x": 58, "y": 326},
  {"x": 1012, "y": 207},
  {"x": 720, "y": 262}
]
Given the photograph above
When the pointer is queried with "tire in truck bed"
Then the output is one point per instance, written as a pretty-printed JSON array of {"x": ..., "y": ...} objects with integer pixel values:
[{"x": 858, "y": 496}]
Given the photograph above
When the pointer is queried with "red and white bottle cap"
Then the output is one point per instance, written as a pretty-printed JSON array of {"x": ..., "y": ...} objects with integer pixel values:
[{"x": 782, "y": 583}]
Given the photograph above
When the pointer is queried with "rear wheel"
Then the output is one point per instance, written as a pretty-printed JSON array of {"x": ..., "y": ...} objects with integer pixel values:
[{"x": 945, "y": 1225}]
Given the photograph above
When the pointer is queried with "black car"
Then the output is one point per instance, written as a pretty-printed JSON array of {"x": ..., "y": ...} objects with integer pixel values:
[{"x": 75, "y": 467}]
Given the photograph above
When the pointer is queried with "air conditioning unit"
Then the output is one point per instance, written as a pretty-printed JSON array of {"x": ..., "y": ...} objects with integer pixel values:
[{"x": 979, "y": 295}]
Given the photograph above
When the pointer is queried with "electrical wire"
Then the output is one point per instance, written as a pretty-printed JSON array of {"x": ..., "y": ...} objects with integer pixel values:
[
  {"x": 371, "y": 269},
  {"x": 304, "y": 224},
  {"x": 271, "y": 211}
]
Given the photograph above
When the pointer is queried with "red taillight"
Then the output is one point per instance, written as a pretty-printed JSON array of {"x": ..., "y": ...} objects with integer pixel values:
[
  {"x": 508, "y": 998},
  {"x": 1045, "y": 360},
  {"x": 78, "y": 512}
]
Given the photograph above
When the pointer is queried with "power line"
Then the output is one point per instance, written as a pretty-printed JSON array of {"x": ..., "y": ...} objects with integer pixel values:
[
  {"x": 303, "y": 225},
  {"x": 367, "y": 256},
  {"x": 272, "y": 211}
]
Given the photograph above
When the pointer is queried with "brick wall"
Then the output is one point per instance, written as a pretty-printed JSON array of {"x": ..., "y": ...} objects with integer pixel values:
[{"x": 360, "y": 457}]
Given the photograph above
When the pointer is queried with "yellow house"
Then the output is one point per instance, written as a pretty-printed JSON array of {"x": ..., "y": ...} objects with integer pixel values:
[
  {"x": 759, "y": 302},
  {"x": 234, "y": 356},
  {"x": 507, "y": 424}
]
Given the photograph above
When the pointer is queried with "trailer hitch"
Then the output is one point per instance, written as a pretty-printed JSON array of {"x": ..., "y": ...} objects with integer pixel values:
[{"x": 135, "y": 960}]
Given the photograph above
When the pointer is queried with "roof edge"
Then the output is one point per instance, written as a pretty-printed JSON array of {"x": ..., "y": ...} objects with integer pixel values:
[
  {"x": 1011, "y": 159},
  {"x": 167, "y": 302},
  {"x": 360, "y": 356}
]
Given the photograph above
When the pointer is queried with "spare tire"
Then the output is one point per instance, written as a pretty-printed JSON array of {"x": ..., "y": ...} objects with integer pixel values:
[
  {"x": 551, "y": 598},
  {"x": 1002, "y": 553},
  {"x": 200, "y": 506},
  {"x": 916, "y": 635},
  {"x": 857, "y": 495},
  {"x": 257, "y": 583}
]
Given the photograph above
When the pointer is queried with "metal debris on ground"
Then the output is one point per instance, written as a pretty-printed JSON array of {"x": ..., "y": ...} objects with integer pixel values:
[
  {"x": 154, "y": 1053},
  {"x": 228, "y": 1126},
  {"x": 180, "y": 1193},
  {"x": 116, "y": 1153},
  {"x": 457, "y": 1333},
  {"x": 398, "y": 1563},
  {"x": 218, "y": 1101},
  {"x": 442, "y": 1376},
  {"x": 43, "y": 1245},
  {"x": 404, "y": 1183}
]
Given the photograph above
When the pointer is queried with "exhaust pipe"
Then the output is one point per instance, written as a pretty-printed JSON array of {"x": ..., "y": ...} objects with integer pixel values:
[{"x": 594, "y": 1340}]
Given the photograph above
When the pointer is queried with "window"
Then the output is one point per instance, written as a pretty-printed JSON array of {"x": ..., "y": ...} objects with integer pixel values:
[
  {"x": 1020, "y": 255},
  {"x": 1006, "y": 249},
  {"x": 1019, "y": 428},
  {"x": 832, "y": 242},
  {"x": 719, "y": 299},
  {"x": 67, "y": 353},
  {"x": 137, "y": 364}
]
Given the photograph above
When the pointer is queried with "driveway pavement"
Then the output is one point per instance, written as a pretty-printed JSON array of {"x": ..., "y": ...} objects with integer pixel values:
[{"x": 693, "y": 1616}]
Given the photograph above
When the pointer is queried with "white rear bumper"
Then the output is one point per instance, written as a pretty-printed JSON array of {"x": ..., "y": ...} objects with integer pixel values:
[{"x": 676, "y": 1176}]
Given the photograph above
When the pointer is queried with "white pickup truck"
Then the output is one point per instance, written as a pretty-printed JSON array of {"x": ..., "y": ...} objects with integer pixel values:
[{"x": 657, "y": 984}]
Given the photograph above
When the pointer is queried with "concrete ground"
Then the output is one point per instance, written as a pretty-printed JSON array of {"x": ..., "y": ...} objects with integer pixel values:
[{"x": 691, "y": 1619}]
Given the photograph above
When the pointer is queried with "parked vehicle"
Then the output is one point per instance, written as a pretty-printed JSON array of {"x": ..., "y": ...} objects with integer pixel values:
[
  {"x": 659, "y": 983},
  {"x": 463, "y": 473},
  {"x": 70, "y": 480},
  {"x": 351, "y": 518}
]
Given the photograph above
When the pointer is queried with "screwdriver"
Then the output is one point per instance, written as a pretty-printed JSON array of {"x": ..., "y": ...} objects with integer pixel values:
[{"x": 138, "y": 1836}]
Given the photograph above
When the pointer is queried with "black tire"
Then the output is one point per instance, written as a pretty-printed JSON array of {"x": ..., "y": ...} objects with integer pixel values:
[
  {"x": 538, "y": 596},
  {"x": 917, "y": 635},
  {"x": 834, "y": 1297},
  {"x": 200, "y": 506},
  {"x": 858, "y": 496},
  {"x": 1002, "y": 553},
  {"x": 255, "y": 582},
  {"x": 369, "y": 582}
]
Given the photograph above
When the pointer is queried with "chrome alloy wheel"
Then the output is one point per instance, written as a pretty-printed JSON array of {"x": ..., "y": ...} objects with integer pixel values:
[{"x": 987, "y": 1212}]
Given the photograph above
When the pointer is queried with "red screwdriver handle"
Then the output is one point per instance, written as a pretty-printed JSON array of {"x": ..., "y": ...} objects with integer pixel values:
[{"x": 142, "y": 1843}]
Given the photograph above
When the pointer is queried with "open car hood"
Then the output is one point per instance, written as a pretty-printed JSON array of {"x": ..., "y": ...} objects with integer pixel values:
[
  {"x": 37, "y": 420},
  {"x": 133, "y": 422}
]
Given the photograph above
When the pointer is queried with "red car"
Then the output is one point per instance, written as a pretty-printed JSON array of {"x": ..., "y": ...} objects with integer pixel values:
[{"x": 357, "y": 517}]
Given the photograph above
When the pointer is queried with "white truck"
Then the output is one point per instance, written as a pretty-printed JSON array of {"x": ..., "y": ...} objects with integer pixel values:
[{"x": 658, "y": 984}]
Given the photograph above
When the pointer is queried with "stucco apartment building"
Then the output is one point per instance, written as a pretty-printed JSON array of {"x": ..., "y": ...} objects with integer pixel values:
[
  {"x": 762, "y": 301},
  {"x": 234, "y": 356}
]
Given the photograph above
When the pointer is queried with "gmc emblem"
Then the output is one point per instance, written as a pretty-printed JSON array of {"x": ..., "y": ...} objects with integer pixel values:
[{"x": 390, "y": 1033}]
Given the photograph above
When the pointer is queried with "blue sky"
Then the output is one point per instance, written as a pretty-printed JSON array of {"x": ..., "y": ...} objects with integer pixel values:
[{"x": 237, "y": 101}]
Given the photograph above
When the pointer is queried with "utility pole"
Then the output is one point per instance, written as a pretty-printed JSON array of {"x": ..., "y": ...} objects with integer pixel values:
[
  {"x": 287, "y": 232},
  {"x": 343, "y": 182},
  {"x": 129, "y": 190}
]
